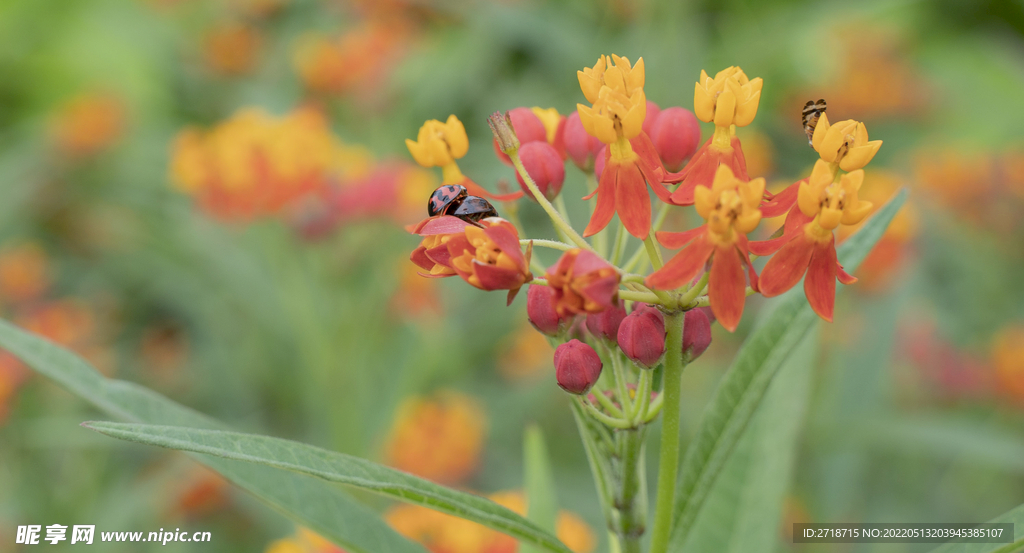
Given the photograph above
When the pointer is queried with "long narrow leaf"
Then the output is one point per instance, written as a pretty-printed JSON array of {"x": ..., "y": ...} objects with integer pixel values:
[
  {"x": 1015, "y": 515},
  {"x": 324, "y": 509},
  {"x": 744, "y": 385},
  {"x": 335, "y": 467},
  {"x": 541, "y": 500}
]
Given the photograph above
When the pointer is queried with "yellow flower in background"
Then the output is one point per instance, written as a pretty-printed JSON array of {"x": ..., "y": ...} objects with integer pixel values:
[
  {"x": 1008, "y": 361},
  {"x": 255, "y": 164},
  {"x": 448, "y": 534},
  {"x": 731, "y": 98},
  {"x": 551, "y": 119},
  {"x": 845, "y": 143},
  {"x": 439, "y": 438},
  {"x": 439, "y": 144}
]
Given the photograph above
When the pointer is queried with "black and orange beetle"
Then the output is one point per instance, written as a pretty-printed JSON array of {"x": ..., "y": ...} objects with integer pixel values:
[{"x": 452, "y": 199}]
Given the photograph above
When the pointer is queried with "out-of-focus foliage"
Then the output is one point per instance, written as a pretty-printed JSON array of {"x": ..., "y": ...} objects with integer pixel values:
[{"x": 273, "y": 290}]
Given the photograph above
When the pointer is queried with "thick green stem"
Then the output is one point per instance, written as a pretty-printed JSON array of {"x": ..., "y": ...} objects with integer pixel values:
[
  {"x": 668, "y": 464},
  {"x": 632, "y": 511}
]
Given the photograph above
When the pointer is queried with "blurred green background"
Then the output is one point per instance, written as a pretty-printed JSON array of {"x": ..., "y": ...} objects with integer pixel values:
[{"x": 326, "y": 335}]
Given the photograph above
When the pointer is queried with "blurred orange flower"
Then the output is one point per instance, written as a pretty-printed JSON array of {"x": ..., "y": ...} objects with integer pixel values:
[
  {"x": 888, "y": 255},
  {"x": 200, "y": 493},
  {"x": 443, "y": 533},
  {"x": 357, "y": 61},
  {"x": 1008, "y": 360},
  {"x": 255, "y": 164},
  {"x": 88, "y": 123},
  {"x": 525, "y": 354},
  {"x": 439, "y": 438},
  {"x": 232, "y": 48},
  {"x": 24, "y": 272},
  {"x": 12, "y": 375}
]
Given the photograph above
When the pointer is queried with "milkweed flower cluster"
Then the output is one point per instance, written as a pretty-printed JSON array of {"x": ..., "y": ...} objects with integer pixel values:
[{"x": 613, "y": 323}]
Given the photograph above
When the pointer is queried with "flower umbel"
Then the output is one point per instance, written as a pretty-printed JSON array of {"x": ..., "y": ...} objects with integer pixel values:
[
  {"x": 808, "y": 242},
  {"x": 730, "y": 208}
]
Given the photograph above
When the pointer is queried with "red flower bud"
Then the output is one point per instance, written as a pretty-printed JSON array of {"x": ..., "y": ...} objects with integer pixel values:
[
  {"x": 676, "y": 135},
  {"x": 606, "y": 323},
  {"x": 540, "y": 310},
  {"x": 577, "y": 367},
  {"x": 649, "y": 118},
  {"x": 544, "y": 166},
  {"x": 642, "y": 336},
  {"x": 528, "y": 128},
  {"x": 581, "y": 147},
  {"x": 696, "y": 333}
]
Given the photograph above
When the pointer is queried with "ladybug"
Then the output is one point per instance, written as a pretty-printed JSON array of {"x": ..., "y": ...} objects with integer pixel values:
[
  {"x": 474, "y": 208},
  {"x": 452, "y": 199},
  {"x": 445, "y": 198}
]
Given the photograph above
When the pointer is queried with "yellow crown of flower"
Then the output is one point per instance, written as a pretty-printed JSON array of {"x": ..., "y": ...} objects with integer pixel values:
[
  {"x": 728, "y": 99},
  {"x": 845, "y": 143},
  {"x": 617, "y": 95},
  {"x": 833, "y": 202},
  {"x": 729, "y": 204},
  {"x": 439, "y": 144}
]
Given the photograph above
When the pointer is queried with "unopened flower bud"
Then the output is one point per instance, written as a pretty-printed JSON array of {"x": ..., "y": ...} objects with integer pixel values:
[
  {"x": 540, "y": 310},
  {"x": 544, "y": 166},
  {"x": 676, "y": 135},
  {"x": 652, "y": 115},
  {"x": 527, "y": 127},
  {"x": 577, "y": 367},
  {"x": 504, "y": 135},
  {"x": 696, "y": 333},
  {"x": 581, "y": 147},
  {"x": 606, "y": 323},
  {"x": 642, "y": 336}
]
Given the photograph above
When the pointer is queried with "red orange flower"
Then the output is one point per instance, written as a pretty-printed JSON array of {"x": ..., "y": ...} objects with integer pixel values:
[
  {"x": 730, "y": 209},
  {"x": 487, "y": 255},
  {"x": 616, "y": 117},
  {"x": 729, "y": 100},
  {"x": 808, "y": 243},
  {"x": 89, "y": 123},
  {"x": 582, "y": 282}
]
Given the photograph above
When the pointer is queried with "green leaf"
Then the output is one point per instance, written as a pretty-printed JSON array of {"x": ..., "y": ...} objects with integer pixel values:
[
  {"x": 744, "y": 385},
  {"x": 542, "y": 503},
  {"x": 1015, "y": 515},
  {"x": 335, "y": 467},
  {"x": 324, "y": 509},
  {"x": 744, "y": 508}
]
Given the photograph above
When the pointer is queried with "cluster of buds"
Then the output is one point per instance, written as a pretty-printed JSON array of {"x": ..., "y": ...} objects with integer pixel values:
[{"x": 614, "y": 324}]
